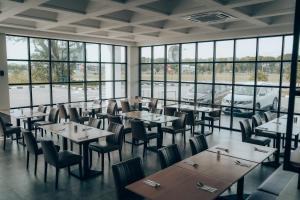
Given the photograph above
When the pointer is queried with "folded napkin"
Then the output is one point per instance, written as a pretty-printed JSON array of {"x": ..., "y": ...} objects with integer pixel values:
[
  {"x": 223, "y": 149},
  {"x": 151, "y": 183},
  {"x": 192, "y": 163},
  {"x": 237, "y": 162},
  {"x": 207, "y": 188},
  {"x": 83, "y": 137},
  {"x": 260, "y": 150}
]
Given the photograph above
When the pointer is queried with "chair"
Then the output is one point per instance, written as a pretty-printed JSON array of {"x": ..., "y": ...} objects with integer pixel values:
[
  {"x": 125, "y": 106},
  {"x": 169, "y": 155},
  {"x": 96, "y": 110},
  {"x": 170, "y": 111},
  {"x": 212, "y": 117},
  {"x": 198, "y": 144},
  {"x": 52, "y": 119},
  {"x": 256, "y": 121},
  {"x": 139, "y": 133},
  {"x": 157, "y": 111},
  {"x": 42, "y": 109},
  {"x": 59, "y": 160},
  {"x": 112, "y": 143},
  {"x": 178, "y": 126},
  {"x": 125, "y": 173},
  {"x": 74, "y": 116},
  {"x": 191, "y": 120},
  {"x": 111, "y": 110},
  {"x": 7, "y": 131},
  {"x": 150, "y": 125},
  {"x": 152, "y": 104},
  {"x": 33, "y": 148},
  {"x": 96, "y": 123},
  {"x": 268, "y": 116},
  {"x": 118, "y": 120},
  {"x": 248, "y": 136},
  {"x": 62, "y": 112}
]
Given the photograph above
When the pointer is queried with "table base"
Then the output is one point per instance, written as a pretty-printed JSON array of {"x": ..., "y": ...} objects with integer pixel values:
[{"x": 91, "y": 174}]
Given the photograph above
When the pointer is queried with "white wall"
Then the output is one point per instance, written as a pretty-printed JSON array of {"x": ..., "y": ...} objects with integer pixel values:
[
  {"x": 133, "y": 71},
  {"x": 4, "y": 89}
]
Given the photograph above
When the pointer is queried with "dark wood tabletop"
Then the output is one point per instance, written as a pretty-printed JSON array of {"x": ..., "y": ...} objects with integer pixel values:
[{"x": 150, "y": 117}]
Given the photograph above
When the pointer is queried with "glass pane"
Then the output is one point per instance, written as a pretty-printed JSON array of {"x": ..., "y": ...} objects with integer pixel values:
[
  {"x": 267, "y": 98},
  {"x": 223, "y": 73},
  {"x": 120, "y": 89},
  {"x": 244, "y": 73},
  {"x": 172, "y": 91},
  {"x": 106, "y": 53},
  {"x": 59, "y": 50},
  {"x": 16, "y": 47},
  {"x": 188, "y": 72},
  {"x": 172, "y": 72},
  {"x": 40, "y": 72},
  {"x": 77, "y": 71},
  {"x": 245, "y": 49},
  {"x": 158, "y": 72},
  {"x": 222, "y": 95},
  {"x": 146, "y": 54},
  {"x": 145, "y": 89},
  {"x": 205, "y": 51},
  {"x": 285, "y": 100},
  {"x": 159, "y": 54},
  {"x": 270, "y": 48},
  {"x": 76, "y": 51},
  {"x": 106, "y": 72},
  {"x": 60, "y": 72},
  {"x": 92, "y": 52},
  {"x": 92, "y": 91},
  {"x": 268, "y": 73},
  {"x": 107, "y": 90},
  {"x": 224, "y": 50},
  {"x": 158, "y": 90},
  {"x": 288, "y": 47},
  {"x": 60, "y": 93},
  {"x": 120, "y": 71},
  {"x": 173, "y": 53},
  {"x": 92, "y": 71},
  {"x": 40, "y": 94},
  {"x": 243, "y": 97},
  {"x": 120, "y": 55},
  {"x": 146, "y": 72},
  {"x": 188, "y": 52},
  {"x": 286, "y": 70},
  {"x": 17, "y": 72},
  {"x": 204, "y": 94},
  {"x": 204, "y": 73},
  {"x": 19, "y": 96},
  {"x": 77, "y": 92},
  {"x": 187, "y": 92},
  {"x": 39, "y": 49}
]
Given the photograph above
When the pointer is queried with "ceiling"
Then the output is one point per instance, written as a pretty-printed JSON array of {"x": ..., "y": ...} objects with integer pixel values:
[{"x": 142, "y": 22}]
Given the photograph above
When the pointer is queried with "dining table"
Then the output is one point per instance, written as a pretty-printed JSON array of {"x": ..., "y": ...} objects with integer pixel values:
[{"x": 85, "y": 106}]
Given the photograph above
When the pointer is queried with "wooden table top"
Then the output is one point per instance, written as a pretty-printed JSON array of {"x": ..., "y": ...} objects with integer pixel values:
[
  {"x": 242, "y": 150},
  {"x": 150, "y": 117},
  {"x": 278, "y": 125},
  {"x": 84, "y": 133},
  {"x": 178, "y": 183},
  {"x": 194, "y": 108}
]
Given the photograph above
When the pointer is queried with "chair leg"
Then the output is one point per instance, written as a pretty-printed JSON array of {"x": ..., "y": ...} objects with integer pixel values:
[
  {"x": 108, "y": 154},
  {"x": 4, "y": 142},
  {"x": 102, "y": 161},
  {"x": 69, "y": 170},
  {"x": 71, "y": 146},
  {"x": 35, "y": 164},
  {"x": 80, "y": 169},
  {"x": 145, "y": 147},
  {"x": 27, "y": 164},
  {"x": 220, "y": 123},
  {"x": 45, "y": 172},
  {"x": 56, "y": 177},
  {"x": 91, "y": 158},
  {"x": 132, "y": 142},
  {"x": 80, "y": 149},
  {"x": 120, "y": 154},
  {"x": 184, "y": 138},
  {"x": 173, "y": 138},
  {"x": 212, "y": 125},
  {"x": 98, "y": 155}
]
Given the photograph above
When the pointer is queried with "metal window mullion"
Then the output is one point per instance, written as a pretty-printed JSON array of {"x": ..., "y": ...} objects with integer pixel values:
[
  {"x": 165, "y": 75},
  {"x": 100, "y": 69},
  {"x": 233, "y": 83},
  {"x": 280, "y": 78},
  {"x": 179, "y": 78},
  {"x": 69, "y": 72},
  {"x": 50, "y": 73},
  {"x": 255, "y": 74},
  {"x": 196, "y": 74},
  {"x": 84, "y": 72},
  {"x": 30, "y": 71}
]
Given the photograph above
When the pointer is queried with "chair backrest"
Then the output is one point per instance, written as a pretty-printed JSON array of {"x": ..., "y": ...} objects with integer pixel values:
[
  {"x": 190, "y": 116},
  {"x": 246, "y": 129},
  {"x": 181, "y": 122},
  {"x": 62, "y": 111},
  {"x": 40, "y": 108},
  {"x": 115, "y": 119},
  {"x": 153, "y": 103},
  {"x": 93, "y": 122},
  {"x": 2, "y": 127},
  {"x": 138, "y": 129},
  {"x": 268, "y": 116},
  {"x": 170, "y": 111},
  {"x": 53, "y": 115},
  {"x": 30, "y": 142},
  {"x": 125, "y": 106},
  {"x": 216, "y": 113},
  {"x": 74, "y": 115},
  {"x": 117, "y": 137},
  {"x": 126, "y": 173},
  {"x": 256, "y": 121},
  {"x": 198, "y": 144},
  {"x": 169, "y": 155},
  {"x": 112, "y": 108},
  {"x": 49, "y": 151},
  {"x": 157, "y": 111}
]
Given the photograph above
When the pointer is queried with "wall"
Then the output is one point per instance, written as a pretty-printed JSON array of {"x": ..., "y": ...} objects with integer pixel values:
[
  {"x": 133, "y": 71},
  {"x": 4, "y": 89}
]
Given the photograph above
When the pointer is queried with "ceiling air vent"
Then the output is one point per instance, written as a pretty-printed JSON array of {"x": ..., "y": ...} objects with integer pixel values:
[{"x": 209, "y": 17}]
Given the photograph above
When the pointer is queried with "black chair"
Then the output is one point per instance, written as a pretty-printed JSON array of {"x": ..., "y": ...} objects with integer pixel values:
[
  {"x": 178, "y": 126},
  {"x": 139, "y": 133},
  {"x": 152, "y": 104},
  {"x": 33, "y": 148},
  {"x": 52, "y": 119},
  {"x": 74, "y": 116},
  {"x": 269, "y": 116},
  {"x": 62, "y": 112},
  {"x": 96, "y": 110},
  {"x": 112, "y": 143},
  {"x": 249, "y": 137},
  {"x": 125, "y": 173},
  {"x": 41, "y": 108},
  {"x": 169, "y": 155},
  {"x": 125, "y": 106},
  {"x": 198, "y": 144},
  {"x": 256, "y": 121},
  {"x": 212, "y": 117},
  {"x": 157, "y": 111},
  {"x": 8, "y": 131},
  {"x": 111, "y": 110},
  {"x": 59, "y": 160},
  {"x": 118, "y": 120},
  {"x": 191, "y": 120},
  {"x": 150, "y": 125},
  {"x": 170, "y": 111},
  {"x": 96, "y": 123}
]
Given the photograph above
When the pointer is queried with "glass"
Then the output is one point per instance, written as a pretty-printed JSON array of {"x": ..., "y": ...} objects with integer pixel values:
[
  {"x": 107, "y": 72},
  {"x": 223, "y": 73},
  {"x": 268, "y": 73},
  {"x": 19, "y": 96},
  {"x": 188, "y": 52},
  {"x": 17, "y": 72},
  {"x": 172, "y": 72},
  {"x": 223, "y": 95},
  {"x": 288, "y": 47},
  {"x": 172, "y": 91},
  {"x": 204, "y": 94},
  {"x": 158, "y": 90},
  {"x": 39, "y": 49},
  {"x": 120, "y": 71},
  {"x": 77, "y": 71},
  {"x": 40, "y": 72},
  {"x": 245, "y": 50},
  {"x": 286, "y": 73},
  {"x": 188, "y": 72},
  {"x": 204, "y": 73},
  {"x": 269, "y": 48},
  {"x": 244, "y": 73},
  {"x": 187, "y": 92},
  {"x": 92, "y": 52},
  {"x": 205, "y": 51},
  {"x": 224, "y": 50},
  {"x": 106, "y": 53},
  {"x": 16, "y": 47},
  {"x": 146, "y": 89},
  {"x": 92, "y": 91},
  {"x": 146, "y": 72},
  {"x": 60, "y": 72},
  {"x": 40, "y": 94},
  {"x": 146, "y": 54},
  {"x": 59, "y": 50},
  {"x": 158, "y": 72},
  {"x": 267, "y": 98},
  {"x": 120, "y": 55},
  {"x": 159, "y": 54},
  {"x": 284, "y": 100},
  {"x": 243, "y": 97},
  {"x": 76, "y": 51},
  {"x": 173, "y": 53},
  {"x": 120, "y": 91},
  {"x": 92, "y": 71},
  {"x": 60, "y": 93},
  {"x": 77, "y": 92},
  {"x": 107, "y": 90}
]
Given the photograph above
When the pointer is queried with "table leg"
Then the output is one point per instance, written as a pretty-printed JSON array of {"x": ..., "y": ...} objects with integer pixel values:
[
  {"x": 278, "y": 147},
  {"x": 202, "y": 118},
  {"x": 93, "y": 113},
  {"x": 18, "y": 122},
  {"x": 29, "y": 124},
  {"x": 296, "y": 141},
  {"x": 80, "y": 111},
  {"x": 240, "y": 188},
  {"x": 65, "y": 143},
  {"x": 159, "y": 143}
]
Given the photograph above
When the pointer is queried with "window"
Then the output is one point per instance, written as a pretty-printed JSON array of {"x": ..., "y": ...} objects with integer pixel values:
[{"x": 269, "y": 48}]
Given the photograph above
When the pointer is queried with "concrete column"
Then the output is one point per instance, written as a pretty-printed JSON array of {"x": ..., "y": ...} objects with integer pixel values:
[
  {"x": 4, "y": 89},
  {"x": 133, "y": 71}
]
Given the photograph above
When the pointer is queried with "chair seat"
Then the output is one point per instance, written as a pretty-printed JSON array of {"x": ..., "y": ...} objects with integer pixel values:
[
  {"x": 40, "y": 150},
  {"x": 258, "y": 140},
  {"x": 84, "y": 119},
  {"x": 265, "y": 134},
  {"x": 12, "y": 129},
  {"x": 151, "y": 135},
  {"x": 103, "y": 147},
  {"x": 41, "y": 123},
  {"x": 66, "y": 158},
  {"x": 101, "y": 115},
  {"x": 170, "y": 129}
]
